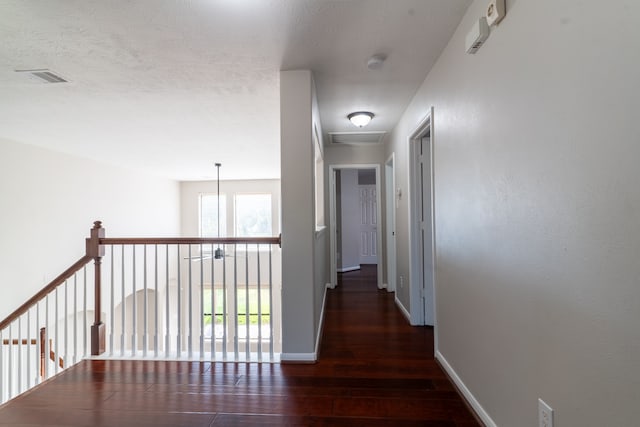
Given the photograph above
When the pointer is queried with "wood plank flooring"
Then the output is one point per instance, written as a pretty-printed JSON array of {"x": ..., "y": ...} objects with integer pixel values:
[{"x": 374, "y": 370}]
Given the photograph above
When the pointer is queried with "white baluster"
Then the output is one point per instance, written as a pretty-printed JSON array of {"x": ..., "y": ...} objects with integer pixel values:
[
  {"x": 179, "y": 325},
  {"x": 133, "y": 302},
  {"x": 190, "y": 311},
  {"x": 246, "y": 302},
  {"x": 155, "y": 281},
  {"x": 167, "y": 311},
  {"x": 271, "y": 313},
  {"x": 201, "y": 305},
  {"x": 123, "y": 306},
  {"x": 259, "y": 346},
  {"x": 235, "y": 303},
  {"x": 145, "y": 326},
  {"x": 112, "y": 308}
]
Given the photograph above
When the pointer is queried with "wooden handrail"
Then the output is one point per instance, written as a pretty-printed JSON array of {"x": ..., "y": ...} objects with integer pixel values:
[
  {"x": 189, "y": 240},
  {"x": 44, "y": 291}
]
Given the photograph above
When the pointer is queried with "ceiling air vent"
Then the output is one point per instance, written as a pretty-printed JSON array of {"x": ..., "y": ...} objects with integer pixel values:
[
  {"x": 356, "y": 138},
  {"x": 43, "y": 76}
]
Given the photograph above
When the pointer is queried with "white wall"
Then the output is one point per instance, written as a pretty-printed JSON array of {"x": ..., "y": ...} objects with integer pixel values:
[
  {"x": 537, "y": 208},
  {"x": 304, "y": 261},
  {"x": 349, "y": 227},
  {"x": 48, "y": 203},
  {"x": 354, "y": 154}
]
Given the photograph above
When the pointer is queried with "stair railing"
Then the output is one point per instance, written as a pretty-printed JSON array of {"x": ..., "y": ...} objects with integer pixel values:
[
  {"x": 192, "y": 298},
  {"x": 26, "y": 361},
  {"x": 166, "y": 298}
]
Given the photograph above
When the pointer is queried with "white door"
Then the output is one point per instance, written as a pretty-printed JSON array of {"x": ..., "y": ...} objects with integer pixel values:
[
  {"x": 368, "y": 224},
  {"x": 426, "y": 237},
  {"x": 391, "y": 224}
]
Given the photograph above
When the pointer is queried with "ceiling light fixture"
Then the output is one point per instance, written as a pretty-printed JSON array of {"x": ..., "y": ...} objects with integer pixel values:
[
  {"x": 360, "y": 118},
  {"x": 376, "y": 61}
]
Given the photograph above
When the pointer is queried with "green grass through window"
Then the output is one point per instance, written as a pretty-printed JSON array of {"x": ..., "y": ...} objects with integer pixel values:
[{"x": 242, "y": 302}]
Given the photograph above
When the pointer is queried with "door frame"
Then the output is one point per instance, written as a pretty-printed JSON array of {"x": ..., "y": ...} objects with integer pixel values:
[
  {"x": 333, "y": 215},
  {"x": 416, "y": 300},
  {"x": 390, "y": 221}
]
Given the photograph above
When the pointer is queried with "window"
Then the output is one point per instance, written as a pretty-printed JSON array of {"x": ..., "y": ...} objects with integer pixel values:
[
  {"x": 250, "y": 216},
  {"x": 253, "y": 215},
  {"x": 209, "y": 215}
]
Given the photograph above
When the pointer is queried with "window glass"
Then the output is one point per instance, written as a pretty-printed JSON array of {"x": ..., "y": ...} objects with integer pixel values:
[
  {"x": 209, "y": 215},
  {"x": 253, "y": 215}
]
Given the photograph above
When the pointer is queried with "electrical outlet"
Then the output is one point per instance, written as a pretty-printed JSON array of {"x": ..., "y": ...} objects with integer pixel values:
[
  {"x": 401, "y": 281},
  {"x": 545, "y": 414}
]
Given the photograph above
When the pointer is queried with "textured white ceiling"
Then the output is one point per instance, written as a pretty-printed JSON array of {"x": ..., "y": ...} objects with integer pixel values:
[{"x": 172, "y": 86}]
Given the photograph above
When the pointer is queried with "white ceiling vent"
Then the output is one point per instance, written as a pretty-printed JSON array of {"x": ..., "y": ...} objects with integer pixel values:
[
  {"x": 356, "y": 138},
  {"x": 43, "y": 76}
]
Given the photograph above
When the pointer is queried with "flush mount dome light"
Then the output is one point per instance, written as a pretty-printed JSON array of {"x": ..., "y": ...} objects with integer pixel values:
[{"x": 360, "y": 118}]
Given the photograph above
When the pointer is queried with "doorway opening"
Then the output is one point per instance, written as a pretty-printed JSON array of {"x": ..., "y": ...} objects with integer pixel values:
[
  {"x": 355, "y": 211},
  {"x": 421, "y": 222}
]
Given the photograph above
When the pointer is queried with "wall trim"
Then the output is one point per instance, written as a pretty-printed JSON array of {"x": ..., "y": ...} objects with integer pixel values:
[
  {"x": 475, "y": 406},
  {"x": 321, "y": 325},
  {"x": 347, "y": 269},
  {"x": 403, "y": 310},
  {"x": 298, "y": 358}
]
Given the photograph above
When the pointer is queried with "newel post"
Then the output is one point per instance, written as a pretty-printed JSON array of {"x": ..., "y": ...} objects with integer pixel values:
[{"x": 96, "y": 251}]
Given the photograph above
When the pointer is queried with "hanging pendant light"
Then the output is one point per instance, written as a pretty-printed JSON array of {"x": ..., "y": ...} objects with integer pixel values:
[{"x": 219, "y": 253}]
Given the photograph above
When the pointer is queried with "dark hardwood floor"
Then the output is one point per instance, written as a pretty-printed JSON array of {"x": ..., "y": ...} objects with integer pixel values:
[{"x": 374, "y": 370}]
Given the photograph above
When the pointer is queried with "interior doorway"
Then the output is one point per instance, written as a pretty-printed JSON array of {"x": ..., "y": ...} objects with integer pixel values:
[
  {"x": 355, "y": 236},
  {"x": 422, "y": 230}
]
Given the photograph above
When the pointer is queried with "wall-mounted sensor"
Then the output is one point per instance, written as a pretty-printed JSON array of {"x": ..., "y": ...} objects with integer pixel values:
[
  {"x": 495, "y": 12},
  {"x": 477, "y": 36}
]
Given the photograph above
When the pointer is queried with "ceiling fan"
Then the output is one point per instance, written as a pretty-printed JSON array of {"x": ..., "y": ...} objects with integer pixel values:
[{"x": 219, "y": 252}]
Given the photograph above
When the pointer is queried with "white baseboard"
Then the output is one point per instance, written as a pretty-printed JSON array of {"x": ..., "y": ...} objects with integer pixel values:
[
  {"x": 403, "y": 310},
  {"x": 470, "y": 398},
  {"x": 309, "y": 357},
  {"x": 321, "y": 325},
  {"x": 347, "y": 269},
  {"x": 298, "y": 357}
]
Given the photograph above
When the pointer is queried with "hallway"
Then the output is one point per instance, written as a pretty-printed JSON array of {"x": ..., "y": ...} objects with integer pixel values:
[
  {"x": 374, "y": 370},
  {"x": 386, "y": 366}
]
